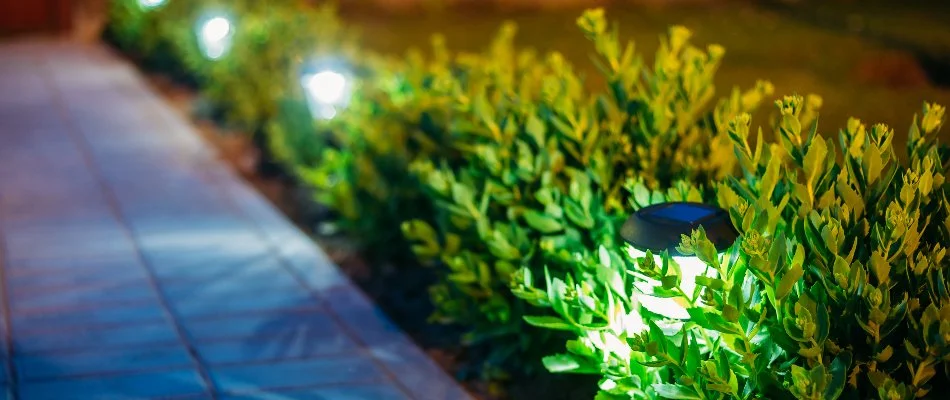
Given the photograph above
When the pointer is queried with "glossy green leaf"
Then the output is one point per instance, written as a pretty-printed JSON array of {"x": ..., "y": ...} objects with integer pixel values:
[
  {"x": 667, "y": 391},
  {"x": 542, "y": 222},
  {"x": 548, "y": 322}
]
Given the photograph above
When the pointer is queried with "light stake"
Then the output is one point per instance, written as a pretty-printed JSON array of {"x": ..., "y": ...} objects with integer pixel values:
[{"x": 659, "y": 228}]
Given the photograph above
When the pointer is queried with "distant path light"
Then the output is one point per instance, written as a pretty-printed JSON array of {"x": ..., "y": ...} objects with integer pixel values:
[
  {"x": 147, "y": 4},
  {"x": 327, "y": 86},
  {"x": 659, "y": 228},
  {"x": 214, "y": 36},
  {"x": 216, "y": 29}
]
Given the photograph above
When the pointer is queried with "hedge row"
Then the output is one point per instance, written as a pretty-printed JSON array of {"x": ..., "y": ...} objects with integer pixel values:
[{"x": 508, "y": 175}]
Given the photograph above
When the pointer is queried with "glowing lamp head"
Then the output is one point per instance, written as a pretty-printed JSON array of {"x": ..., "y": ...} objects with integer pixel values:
[
  {"x": 214, "y": 36},
  {"x": 659, "y": 228},
  {"x": 327, "y": 90},
  {"x": 148, "y": 4},
  {"x": 216, "y": 29},
  {"x": 327, "y": 86}
]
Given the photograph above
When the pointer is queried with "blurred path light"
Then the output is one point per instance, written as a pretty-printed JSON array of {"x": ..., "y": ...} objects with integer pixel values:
[
  {"x": 148, "y": 4},
  {"x": 214, "y": 36},
  {"x": 326, "y": 88}
]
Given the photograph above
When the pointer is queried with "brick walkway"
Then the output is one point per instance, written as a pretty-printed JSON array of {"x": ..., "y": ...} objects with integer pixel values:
[{"x": 135, "y": 265}]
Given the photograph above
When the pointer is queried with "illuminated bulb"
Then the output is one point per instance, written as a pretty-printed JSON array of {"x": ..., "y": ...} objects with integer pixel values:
[
  {"x": 151, "y": 3},
  {"x": 327, "y": 91},
  {"x": 674, "y": 308},
  {"x": 215, "y": 37},
  {"x": 327, "y": 87},
  {"x": 216, "y": 29}
]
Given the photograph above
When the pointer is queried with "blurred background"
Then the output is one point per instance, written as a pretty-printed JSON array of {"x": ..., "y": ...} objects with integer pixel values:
[{"x": 877, "y": 59}]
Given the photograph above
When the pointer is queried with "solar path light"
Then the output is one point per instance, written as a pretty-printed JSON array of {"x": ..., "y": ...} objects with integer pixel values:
[
  {"x": 658, "y": 228},
  {"x": 214, "y": 36},
  {"x": 327, "y": 87}
]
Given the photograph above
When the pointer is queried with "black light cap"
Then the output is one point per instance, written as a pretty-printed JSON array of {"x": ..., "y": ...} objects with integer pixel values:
[{"x": 660, "y": 227}]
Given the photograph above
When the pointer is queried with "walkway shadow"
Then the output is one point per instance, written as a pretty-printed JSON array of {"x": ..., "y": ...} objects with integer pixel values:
[
  {"x": 299, "y": 333},
  {"x": 52, "y": 379}
]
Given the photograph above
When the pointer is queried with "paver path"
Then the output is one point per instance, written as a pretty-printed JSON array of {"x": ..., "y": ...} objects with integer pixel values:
[{"x": 135, "y": 265}]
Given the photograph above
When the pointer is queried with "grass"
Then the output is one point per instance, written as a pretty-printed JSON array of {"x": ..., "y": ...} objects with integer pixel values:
[{"x": 795, "y": 56}]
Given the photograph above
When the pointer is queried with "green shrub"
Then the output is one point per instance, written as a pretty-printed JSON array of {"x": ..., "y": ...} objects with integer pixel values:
[
  {"x": 357, "y": 163},
  {"x": 139, "y": 32},
  {"x": 270, "y": 41},
  {"x": 836, "y": 287},
  {"x": 546, "y": 164},
  {"x": 132, "y": 27},
  {"x": 178, "y": 21},
  {"x": 509, "y": 177}
]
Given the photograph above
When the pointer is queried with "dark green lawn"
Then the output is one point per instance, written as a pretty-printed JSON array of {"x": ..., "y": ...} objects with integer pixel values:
[{"x": 797, "y": 57}]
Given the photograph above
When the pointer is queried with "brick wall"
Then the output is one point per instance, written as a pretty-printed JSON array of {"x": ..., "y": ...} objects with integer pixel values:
[{"x": 30, "y": 16}]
